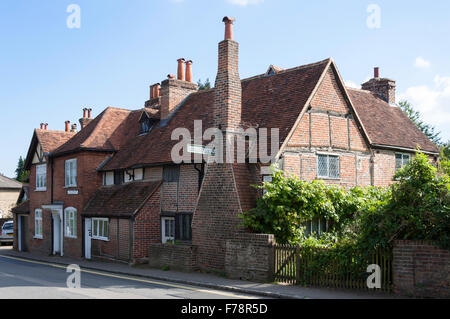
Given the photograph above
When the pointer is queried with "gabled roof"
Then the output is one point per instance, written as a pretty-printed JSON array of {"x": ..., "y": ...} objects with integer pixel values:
[
  {"x": 106, "y": 132},
  {"x": 49, "y": 141},
  {"x": 120, "y": 200},
  {"x": 267, "y": 101},
  {"x": 9, "y": 183},
  {"x": 387, "y": 125}
]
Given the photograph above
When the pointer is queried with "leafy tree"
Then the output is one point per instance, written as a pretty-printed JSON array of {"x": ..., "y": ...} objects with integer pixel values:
[
  {"x": 288, "y": 203},
  {"x": 419, "y": 208},
  {"x": 204, "y": 86},
  {"x": 21, "y": 173},
  {"x": 415, "y": 116},
  {"x": 445, "y": 158}
]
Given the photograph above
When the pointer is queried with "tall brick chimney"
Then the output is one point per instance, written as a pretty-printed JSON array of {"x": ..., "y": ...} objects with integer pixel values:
[
  {"x": 228, "y": 90},
  {"x": 218, "y": 207},
  {"x": 385, "y": 88},
  {"x": 173, "y": 91}
]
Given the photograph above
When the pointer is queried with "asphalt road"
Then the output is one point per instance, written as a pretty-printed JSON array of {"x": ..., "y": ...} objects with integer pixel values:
[{"x": 22, "y": 279}]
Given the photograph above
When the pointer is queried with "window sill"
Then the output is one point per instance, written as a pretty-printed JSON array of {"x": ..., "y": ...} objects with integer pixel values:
[
  {"x": 100, "y": 238},
  {"x": 40, "y": 190},
  {"x": 329, "y": 178},
  {"x": 38, "y": 237},
  {"x": 70, "y": 237},
  {"x": 73, "y": 186}
]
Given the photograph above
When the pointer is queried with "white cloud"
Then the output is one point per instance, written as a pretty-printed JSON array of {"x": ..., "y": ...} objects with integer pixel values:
[
  {"x": 421, "y": 63},
  {"x": 352, "y": 84},
  {"x": 244, "y": 3},
  {"x": 433, "y": 103}
]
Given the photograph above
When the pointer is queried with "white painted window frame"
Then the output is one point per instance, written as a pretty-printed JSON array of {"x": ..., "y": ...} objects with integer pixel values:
[
  {"x": 164, "y": 237},
  {"x": 70, "y": 214},
  {"x": 41, "y": 178},
  {"x": 71, "y": 174},
  {"x": 403, "y": 164},
  {"x": 38, "y": 226},
  {"x": 96, "y": 230}
]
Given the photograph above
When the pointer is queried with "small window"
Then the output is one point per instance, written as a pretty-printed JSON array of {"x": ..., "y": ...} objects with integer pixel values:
[
  {"x": 118, "y": 177},
  {"x": 328, "y": 166},
  {"x": 70, "y": 222},
  {"x": 71, "y": 173},
  {"x": 147, "y": 124},
  {"x": 183, "y": 226},
  {"x": 41, "y": 177},
  {"x": 316, "y": 226},
  {"x": 100, "y": 228},
  {"x": 171, "y": 173},
  {"x": 401, "y": 160},
  {"x": 167, "y": 229},
  {"x": 38, "y": 224}
]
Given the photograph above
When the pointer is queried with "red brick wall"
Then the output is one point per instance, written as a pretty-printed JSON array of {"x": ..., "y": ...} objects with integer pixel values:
[
  {"x": 216, "y": 217},
  {"x": 329, "y": 127},
  {"x": 421, "y": 269},
  {"x": 147, "y": 226},
  {"x": 384, "y": 167},
  {"x": 118, "y": 245},
  {"x": 88, "y": 181}
]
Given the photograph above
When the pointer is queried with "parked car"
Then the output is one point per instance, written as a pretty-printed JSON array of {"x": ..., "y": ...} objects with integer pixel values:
[{"x": 7, "y": 233}]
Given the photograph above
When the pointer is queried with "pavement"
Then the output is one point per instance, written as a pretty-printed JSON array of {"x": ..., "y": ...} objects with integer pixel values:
[{"x": 204, "y": 279}]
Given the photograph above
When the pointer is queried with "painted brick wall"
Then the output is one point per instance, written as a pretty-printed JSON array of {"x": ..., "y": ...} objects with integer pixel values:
[
  {"x": 250, "y": 257},
  {"x": 421, "y": 270}
]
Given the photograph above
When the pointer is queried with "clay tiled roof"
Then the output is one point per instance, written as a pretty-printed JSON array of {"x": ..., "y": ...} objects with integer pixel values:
[
  {"x": 106, "y": 132},
  {"x": 120, "y": 200},
  {"x": 387, "y": 125},
  {"x": 22, "y": 208},
  {"x": 267, "y": 101},
  {"x": 51, "y": 140}
]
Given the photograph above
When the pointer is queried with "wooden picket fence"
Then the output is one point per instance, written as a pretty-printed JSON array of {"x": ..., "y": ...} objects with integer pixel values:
[{"x": 297, "y": 266}]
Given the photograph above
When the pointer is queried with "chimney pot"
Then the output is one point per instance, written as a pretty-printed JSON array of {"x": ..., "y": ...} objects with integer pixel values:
[
  {"x": 376, "y": 72},
  {"x": 89, "y": 113},
  {"x": 228, "y": 27},
  {"x": 152, "y": 91},
  {"x": 171, "y": 76},
  {"x": 84, "y": 113},
  {"x": 189, "y": 71},
  {"x": 74, "y": 128},
  {"x": 46, "y": 126},
  {"x": 180, "y": 72},
  {"x": 42, "y": 126},
  {"x": 67, "y": 126},
  {"x": 157, "y": 90}
]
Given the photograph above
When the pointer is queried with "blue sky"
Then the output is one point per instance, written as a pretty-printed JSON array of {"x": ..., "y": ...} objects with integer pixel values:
[{"x": 50, "y": 72}]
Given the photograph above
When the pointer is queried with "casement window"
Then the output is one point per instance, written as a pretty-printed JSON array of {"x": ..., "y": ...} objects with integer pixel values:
[
  {"x": 167, "y": 229},
  {"x": 41, "y": 177},
  {"x": 71, "y": 173},
  {"x": 70, "y": 222},
  {"x": 183, "y": 230},
  {"x": 147, "y": 124},
  {"x": 38, "y": 224},
  {"x": 317, "y": 226},
  {"x": 108, "y": 178},
  {"x": 401, "y": 160},
  {"x": 100, "y": 228},
  {"x": 119, "y": 177},
  {"x": 171, "y": 173},
  {"x": 328, "y": 166}
]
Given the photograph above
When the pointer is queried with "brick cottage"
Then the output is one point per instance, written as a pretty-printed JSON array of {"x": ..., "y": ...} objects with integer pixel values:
[{"x": 112, "y": 191}]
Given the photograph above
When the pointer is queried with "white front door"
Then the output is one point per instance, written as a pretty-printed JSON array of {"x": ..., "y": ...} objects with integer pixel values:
[
  {"x": 57, "y": 233},
  {"x": 167, "y": 229},
  {"x": 87, "y": 238}
]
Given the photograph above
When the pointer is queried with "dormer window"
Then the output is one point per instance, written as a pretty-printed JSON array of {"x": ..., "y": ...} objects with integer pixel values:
[{"x": 146, "y": 124}]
